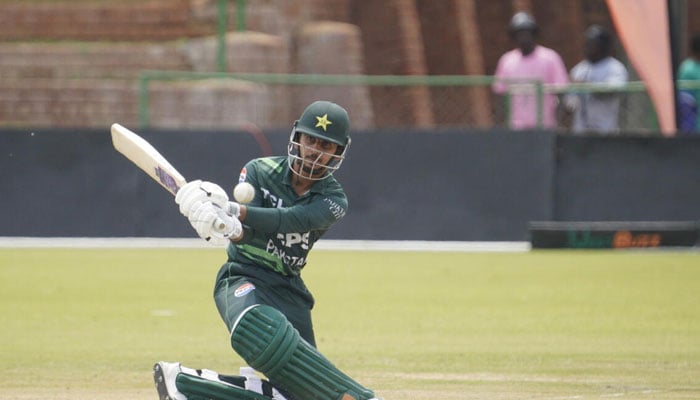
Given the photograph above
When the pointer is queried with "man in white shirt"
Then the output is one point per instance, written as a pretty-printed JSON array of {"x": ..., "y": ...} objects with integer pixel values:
[{"x": 597, "y": 111}]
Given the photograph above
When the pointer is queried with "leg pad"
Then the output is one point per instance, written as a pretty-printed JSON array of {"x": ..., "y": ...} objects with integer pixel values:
[{"x": 264, "y": 338}]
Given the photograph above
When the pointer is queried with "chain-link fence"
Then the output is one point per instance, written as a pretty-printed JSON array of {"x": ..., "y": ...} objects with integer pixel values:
[{"x": 220, "y": 100}]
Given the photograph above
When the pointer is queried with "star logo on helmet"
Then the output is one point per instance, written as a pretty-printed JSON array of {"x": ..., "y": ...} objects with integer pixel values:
[{"x": 323, "y": 122}]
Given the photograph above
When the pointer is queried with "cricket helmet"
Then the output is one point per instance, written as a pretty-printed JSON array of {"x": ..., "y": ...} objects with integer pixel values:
[
  {"x": 323, "y": 120},
  {"x": 327, "y": 121},
  {"x": 522, "y": 21}
]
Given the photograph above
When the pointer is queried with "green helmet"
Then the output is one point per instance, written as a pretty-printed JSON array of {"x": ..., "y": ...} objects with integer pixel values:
[{"x": 326, "y": 121}]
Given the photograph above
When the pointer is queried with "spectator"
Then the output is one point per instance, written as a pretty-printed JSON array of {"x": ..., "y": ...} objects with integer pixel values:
[
  {"x": 688, "y": 112},
  {"x": 518, "y": 68},
  {"x": 597, "y": 111},
  {"x": 690, "y": 71}
]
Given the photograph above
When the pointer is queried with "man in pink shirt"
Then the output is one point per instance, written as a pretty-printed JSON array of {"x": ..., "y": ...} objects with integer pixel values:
[{"x": 518, "y": 72}]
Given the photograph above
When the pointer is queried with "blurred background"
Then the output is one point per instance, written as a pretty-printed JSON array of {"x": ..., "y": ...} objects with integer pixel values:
[{"x": 84, "y": 63}]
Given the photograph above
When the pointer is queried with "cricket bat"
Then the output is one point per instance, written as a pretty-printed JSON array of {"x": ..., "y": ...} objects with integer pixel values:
[{"x": 146, "y": 157}]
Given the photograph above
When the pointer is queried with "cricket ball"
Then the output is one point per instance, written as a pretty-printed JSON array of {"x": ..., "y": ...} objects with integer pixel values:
[{"x": 244, "y": 192}]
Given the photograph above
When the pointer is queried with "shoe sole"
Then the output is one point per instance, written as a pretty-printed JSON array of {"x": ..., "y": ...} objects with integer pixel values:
[{"x": 159, "y": 379}]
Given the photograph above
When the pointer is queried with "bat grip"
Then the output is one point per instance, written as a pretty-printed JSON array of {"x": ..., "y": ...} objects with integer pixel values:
[
  {"x": 223, "y": 222},
  {"x": 220, "y": 225}
]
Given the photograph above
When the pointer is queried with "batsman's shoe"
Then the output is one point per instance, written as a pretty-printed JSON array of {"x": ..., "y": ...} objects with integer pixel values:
[{"x": 164, "y": 374}]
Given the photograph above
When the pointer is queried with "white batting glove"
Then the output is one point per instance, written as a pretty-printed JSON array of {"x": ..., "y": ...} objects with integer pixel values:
[
  {"x": 213, "y": 224},
  {"x": 190, "y": 196}
]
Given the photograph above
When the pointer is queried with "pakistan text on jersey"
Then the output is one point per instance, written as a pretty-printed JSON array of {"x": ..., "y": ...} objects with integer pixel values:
[{"x": 294, "y": 262}]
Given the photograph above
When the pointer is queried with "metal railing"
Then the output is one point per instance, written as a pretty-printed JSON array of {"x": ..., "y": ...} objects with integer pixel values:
[
  {"x": 340, "y": 82},
  {"x": 395, "y": 101}
]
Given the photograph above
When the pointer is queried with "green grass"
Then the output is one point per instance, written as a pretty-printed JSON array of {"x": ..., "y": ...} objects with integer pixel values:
[{"x": 86, "y": 324}]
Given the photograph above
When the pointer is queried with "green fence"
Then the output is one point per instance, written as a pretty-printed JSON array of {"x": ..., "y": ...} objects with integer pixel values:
[
  {"x": 272, "y": 100},
  {"x": 222, "y": 29}
]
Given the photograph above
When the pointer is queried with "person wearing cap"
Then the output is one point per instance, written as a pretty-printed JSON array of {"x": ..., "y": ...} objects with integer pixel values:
[
  {"x": 520, "y": 70},
  {"x": 597, "y": 111},
  {"x": 258, "y": 291}
]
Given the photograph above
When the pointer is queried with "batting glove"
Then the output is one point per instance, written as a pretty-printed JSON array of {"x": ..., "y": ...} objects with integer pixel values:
[
  {"x": 194, "y": 193},
  {"x": 213, "y": 224}
]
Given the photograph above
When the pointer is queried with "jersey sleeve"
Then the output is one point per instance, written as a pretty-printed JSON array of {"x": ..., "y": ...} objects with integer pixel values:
[{"x": 319, "y": 213}]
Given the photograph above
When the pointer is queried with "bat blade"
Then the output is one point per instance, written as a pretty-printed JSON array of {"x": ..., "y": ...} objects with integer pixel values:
[{"x": 146, "y": 157}]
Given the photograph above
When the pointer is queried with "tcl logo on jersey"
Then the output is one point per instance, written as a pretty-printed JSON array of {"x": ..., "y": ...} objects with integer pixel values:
[
  {"x": 276, "y": 202},
  {"x": 291, "y": 239}
]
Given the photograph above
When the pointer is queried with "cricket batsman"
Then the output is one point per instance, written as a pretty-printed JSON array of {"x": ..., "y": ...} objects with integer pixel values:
[{"x": 259, "y": 292}]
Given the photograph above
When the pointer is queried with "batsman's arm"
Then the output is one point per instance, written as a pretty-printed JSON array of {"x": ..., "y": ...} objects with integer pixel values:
[{"x": 320, "y": 213}]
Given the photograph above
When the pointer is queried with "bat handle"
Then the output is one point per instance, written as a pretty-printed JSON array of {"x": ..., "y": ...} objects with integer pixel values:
[
  {"x": 220, "y": 225},
  {"x": 223, "y": 221}
]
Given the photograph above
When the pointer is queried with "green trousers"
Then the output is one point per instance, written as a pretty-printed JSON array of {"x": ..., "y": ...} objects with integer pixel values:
[{"x": 239, "y": 287}]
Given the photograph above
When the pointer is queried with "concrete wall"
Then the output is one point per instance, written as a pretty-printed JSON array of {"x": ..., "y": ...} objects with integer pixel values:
[{"x": 419, "y": 185}]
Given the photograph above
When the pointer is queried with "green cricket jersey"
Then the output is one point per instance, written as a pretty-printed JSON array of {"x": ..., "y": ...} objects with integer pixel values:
[{"x": 281, "y": 227}]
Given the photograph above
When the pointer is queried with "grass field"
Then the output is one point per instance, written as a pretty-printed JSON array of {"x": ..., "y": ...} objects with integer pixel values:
[{"x": 85, "y": 324}]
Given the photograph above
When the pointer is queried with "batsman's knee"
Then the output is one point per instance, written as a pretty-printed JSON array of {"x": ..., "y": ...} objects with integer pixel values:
[{"x": 264, "y": 338}]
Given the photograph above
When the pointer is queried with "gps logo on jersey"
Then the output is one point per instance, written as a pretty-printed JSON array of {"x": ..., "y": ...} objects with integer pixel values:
[
  {"x": 290, "y": 239},
  {"x": 244, "y": 289}
]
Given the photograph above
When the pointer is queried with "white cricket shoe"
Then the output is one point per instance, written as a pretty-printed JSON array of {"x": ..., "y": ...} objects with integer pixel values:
[
  {"x": 276, "y": 395},
  {"x": 164, "y": 374}
]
